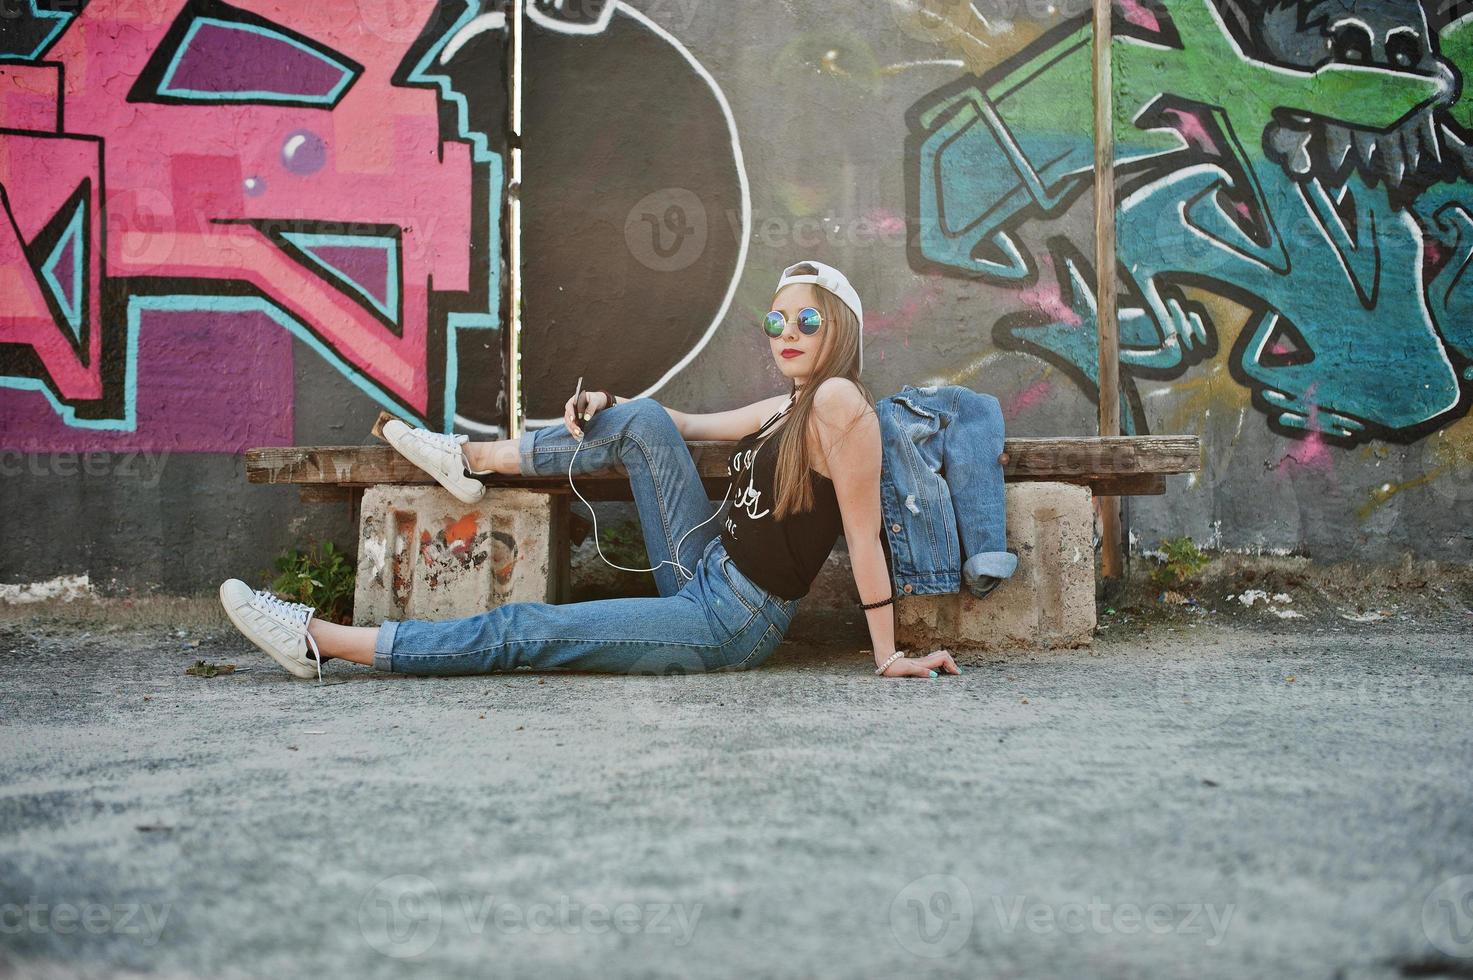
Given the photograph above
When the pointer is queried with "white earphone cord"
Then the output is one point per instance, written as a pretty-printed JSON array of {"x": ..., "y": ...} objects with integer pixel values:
[
  {"x": 596, "y": 545},
  {"x": 708, "y": 520}
]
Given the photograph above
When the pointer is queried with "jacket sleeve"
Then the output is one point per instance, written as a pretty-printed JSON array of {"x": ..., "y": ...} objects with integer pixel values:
[{"x": 973, "y": 442}]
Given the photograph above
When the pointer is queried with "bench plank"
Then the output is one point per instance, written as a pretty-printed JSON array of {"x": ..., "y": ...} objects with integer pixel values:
[
  {"x": 1061, "y": 458},
  {"x": 1111, "y": 466}
]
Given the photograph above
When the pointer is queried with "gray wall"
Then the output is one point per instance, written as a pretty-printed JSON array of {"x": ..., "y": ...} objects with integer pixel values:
[{"x": 175, "y": 522}]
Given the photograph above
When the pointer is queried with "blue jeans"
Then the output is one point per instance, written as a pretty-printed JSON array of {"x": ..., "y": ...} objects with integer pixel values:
[{"x": 714, "y": 618}]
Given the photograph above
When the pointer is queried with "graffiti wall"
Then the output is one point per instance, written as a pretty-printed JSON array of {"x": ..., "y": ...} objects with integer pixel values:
[
  {"x": 216, "y": 212},
  {"x": 268, "y": 170},
  {"x": 253, "y": 223},
  {"x": 1292, "y": 185},
  {"x": 1293, "y": 230}
]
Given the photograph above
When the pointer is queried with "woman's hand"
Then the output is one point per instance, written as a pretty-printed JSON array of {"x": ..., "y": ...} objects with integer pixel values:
[
  {"x": 591, "y": 403},
  {"x": 940, "y": 661}
]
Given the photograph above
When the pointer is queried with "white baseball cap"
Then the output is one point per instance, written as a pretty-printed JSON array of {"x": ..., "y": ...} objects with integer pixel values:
[{"x": 833, "y": 280}]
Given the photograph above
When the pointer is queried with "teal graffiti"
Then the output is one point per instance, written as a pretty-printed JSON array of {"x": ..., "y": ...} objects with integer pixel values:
[{"x": 1355, "y": 270}]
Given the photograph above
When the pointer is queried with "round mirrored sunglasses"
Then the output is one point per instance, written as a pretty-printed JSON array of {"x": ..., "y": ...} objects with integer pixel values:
[{"x": 809, "y": 320}]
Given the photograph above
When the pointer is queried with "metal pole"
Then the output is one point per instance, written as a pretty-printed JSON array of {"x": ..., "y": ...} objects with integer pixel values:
[{"x": 515, "y": 409}]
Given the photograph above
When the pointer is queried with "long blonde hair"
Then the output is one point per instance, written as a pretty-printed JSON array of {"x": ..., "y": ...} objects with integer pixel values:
[{"x": 837, "y": 358}]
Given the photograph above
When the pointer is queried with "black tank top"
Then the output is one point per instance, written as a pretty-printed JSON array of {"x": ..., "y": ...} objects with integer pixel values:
[{"x": 783, "y": 556}]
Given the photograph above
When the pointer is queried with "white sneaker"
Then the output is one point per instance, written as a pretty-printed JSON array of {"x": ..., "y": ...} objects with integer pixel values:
[
  {"x": 275, "y": 625},
  {"x": 438, "y": 454}
]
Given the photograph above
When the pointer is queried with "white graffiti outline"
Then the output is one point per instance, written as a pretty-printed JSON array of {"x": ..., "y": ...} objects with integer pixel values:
[{"x": 736, "y": 149}]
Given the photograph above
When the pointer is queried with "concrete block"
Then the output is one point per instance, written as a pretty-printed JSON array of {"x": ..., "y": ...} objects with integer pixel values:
[
  {"x": 1048, "y": 603},
  {"x": 422, "y": 554}
]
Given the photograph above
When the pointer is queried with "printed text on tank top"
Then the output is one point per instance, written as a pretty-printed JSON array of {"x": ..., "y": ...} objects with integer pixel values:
[{"x": 743, "y": 460}]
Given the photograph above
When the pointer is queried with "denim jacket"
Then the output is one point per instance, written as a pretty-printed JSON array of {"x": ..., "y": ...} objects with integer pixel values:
[{"x": 941, "y": 490}]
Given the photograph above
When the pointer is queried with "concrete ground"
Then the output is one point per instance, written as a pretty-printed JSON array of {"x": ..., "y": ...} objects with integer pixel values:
[{"x": 1192, "y": 798}]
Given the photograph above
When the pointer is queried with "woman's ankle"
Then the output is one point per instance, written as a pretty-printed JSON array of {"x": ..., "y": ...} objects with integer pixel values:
[
  {"x": 501, "y": 456},
  {"x": 352, "y": 643},
  {"x": 508, "y": 453}
]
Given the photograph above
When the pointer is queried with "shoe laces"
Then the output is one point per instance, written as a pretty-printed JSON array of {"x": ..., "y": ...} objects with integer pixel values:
[
  {"x": 448, "y": 441},
  {"x": 292, "y": 612}
]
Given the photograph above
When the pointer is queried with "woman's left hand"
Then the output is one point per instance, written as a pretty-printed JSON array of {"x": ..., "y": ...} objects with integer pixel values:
[{"x": 941, "y": 661}]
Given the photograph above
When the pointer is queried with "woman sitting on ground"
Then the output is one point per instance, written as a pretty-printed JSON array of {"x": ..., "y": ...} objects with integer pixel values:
[{"x": 805, "y": 468}]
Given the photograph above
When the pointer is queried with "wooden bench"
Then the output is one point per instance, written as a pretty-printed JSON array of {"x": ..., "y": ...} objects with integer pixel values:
[
  {"x": 1113, "y": 466},
  {"x": 423, "y": 554}
]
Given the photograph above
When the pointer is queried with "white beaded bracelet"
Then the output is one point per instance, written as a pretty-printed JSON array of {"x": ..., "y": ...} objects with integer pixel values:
[{"x": 892, "y": 658}]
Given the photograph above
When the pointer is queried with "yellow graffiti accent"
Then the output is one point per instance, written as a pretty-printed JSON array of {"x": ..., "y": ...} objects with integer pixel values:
[
  {"x": 802, "y": 199},
  {"x": 1451, "y": 452},
  {"x": 1214, "y": 388}
]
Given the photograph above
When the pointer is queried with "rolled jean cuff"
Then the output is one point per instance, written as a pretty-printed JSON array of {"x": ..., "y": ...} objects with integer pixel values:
[
  {"x": 383, "y": 647},
  {"x": 982, "y": 572},
  {"x": 524, "y": 452}
]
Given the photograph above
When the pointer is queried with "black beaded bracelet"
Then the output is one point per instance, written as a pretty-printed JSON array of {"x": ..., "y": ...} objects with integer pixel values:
[{"x": 876, "y": 605}]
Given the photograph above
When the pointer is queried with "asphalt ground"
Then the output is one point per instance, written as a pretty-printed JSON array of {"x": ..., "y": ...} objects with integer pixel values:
[{"x": 1189, "y": 798}]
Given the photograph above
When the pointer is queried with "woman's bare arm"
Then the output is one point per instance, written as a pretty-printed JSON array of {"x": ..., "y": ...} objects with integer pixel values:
[
  {"x": 849, "y": 436},
  {"x": 726, "y": 426},
  {"x": 848, "y": 433}
]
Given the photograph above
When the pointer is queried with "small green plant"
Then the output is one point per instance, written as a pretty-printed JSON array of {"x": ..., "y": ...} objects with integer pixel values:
[
  {"x": 1179, "y": 560},
  {"x": 322, "y": 577},
  {"x": 624, "y": 543},
  {"x": 206, "y": 668}
]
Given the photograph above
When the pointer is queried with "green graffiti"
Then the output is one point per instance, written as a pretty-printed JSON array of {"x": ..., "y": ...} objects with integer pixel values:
[{"x": 1244, "y": 176}]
